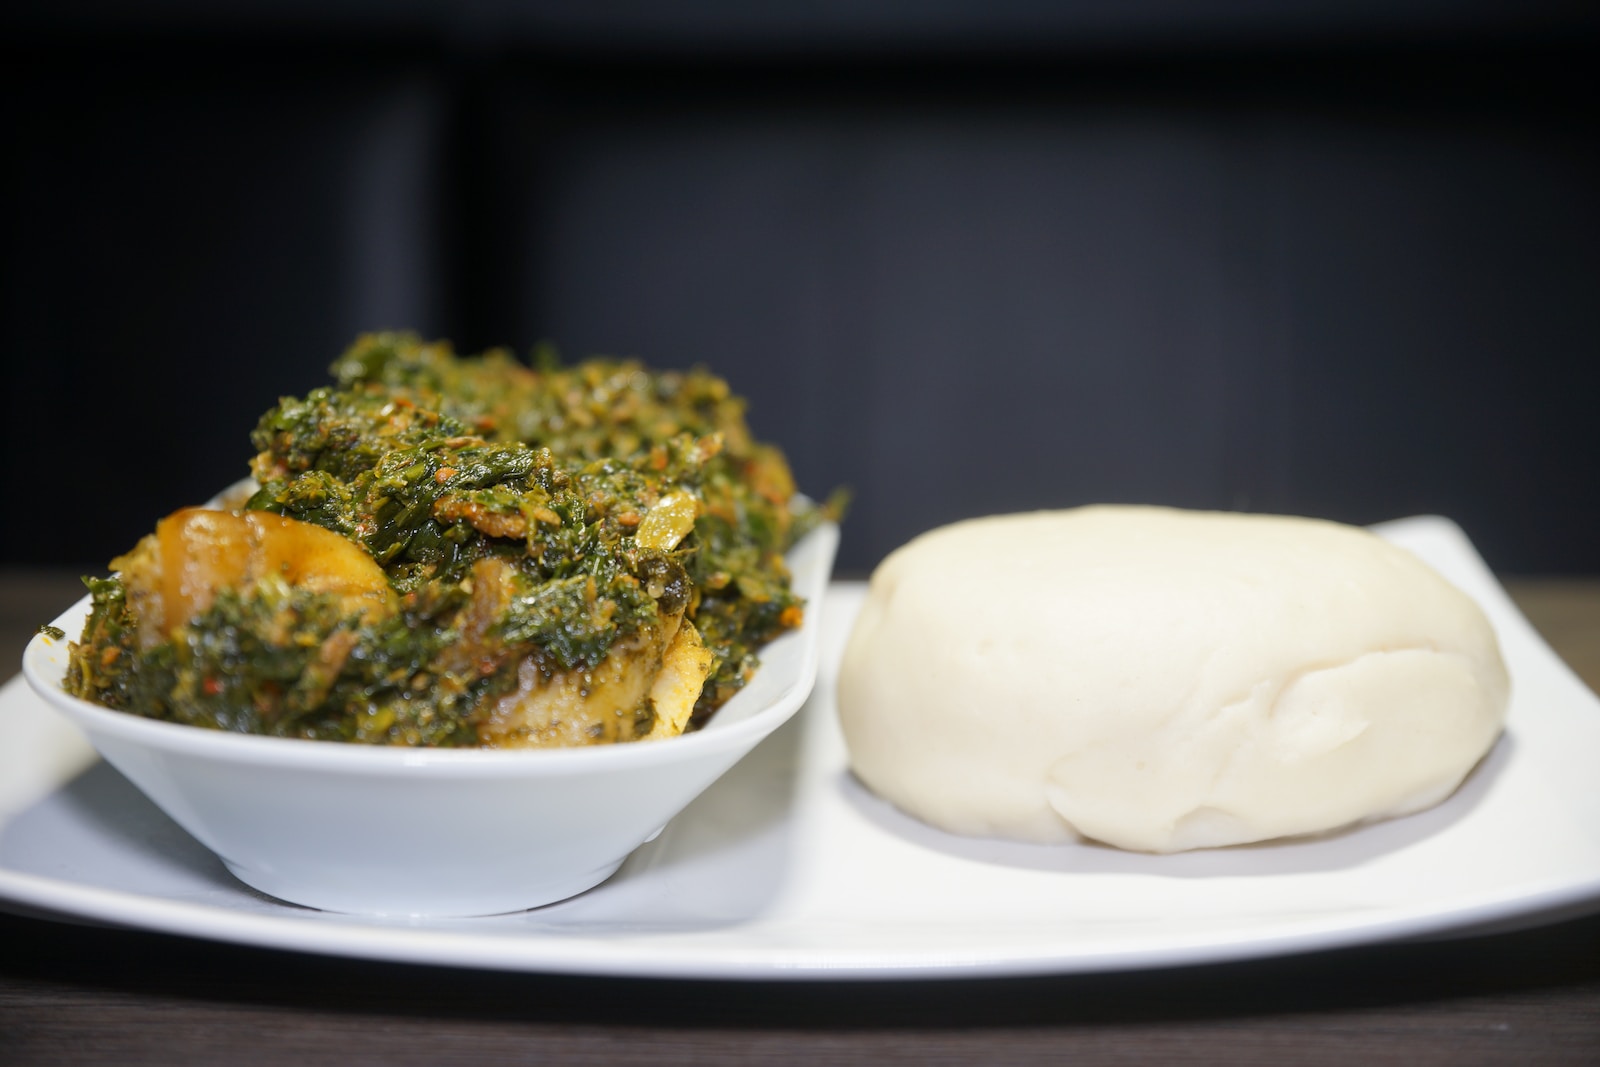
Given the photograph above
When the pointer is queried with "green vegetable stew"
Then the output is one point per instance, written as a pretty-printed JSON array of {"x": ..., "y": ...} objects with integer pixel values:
[{"x": 460, "y": 551}]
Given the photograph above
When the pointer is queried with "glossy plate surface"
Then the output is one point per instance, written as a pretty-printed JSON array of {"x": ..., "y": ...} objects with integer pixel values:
[{"x": 786, "y": 868}]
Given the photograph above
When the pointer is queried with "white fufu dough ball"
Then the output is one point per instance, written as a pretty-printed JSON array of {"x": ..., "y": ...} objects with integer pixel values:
[{"x": 1161, "y": 680}]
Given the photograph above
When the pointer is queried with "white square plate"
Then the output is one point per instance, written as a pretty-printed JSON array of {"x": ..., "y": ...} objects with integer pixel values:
[{"x": 787, "y": 868}]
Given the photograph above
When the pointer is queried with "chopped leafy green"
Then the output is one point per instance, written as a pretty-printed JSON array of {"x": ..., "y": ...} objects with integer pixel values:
[{"x": 505, "y": 506}]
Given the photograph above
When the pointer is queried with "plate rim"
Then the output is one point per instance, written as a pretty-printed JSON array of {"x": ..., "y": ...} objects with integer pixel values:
[{"x": 489, "y": 950}]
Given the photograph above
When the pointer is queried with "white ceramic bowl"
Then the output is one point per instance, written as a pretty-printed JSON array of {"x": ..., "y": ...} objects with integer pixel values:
[{"x": 378, "y": 830}]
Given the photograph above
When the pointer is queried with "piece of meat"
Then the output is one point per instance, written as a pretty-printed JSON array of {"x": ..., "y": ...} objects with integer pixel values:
[
  {"x": 684, "y": 670},
  {"x": 666, "y": 665},
  {"x": 175, "y": 573}
]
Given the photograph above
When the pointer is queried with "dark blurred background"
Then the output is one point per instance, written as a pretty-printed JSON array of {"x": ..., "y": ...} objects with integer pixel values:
[{"x": 1333, "y": 258}]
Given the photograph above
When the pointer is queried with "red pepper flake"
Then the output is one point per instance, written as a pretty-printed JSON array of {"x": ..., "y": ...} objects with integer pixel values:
[
  {"x": 444, "y": 474},
  {"x": 212, "y": 685}
]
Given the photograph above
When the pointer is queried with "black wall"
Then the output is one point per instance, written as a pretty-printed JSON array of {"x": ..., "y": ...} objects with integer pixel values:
[{"x": 1342, "y": 260}]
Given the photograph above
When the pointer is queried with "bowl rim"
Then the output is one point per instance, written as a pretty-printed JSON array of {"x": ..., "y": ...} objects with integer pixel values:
[{"x": 43, "y": 676}]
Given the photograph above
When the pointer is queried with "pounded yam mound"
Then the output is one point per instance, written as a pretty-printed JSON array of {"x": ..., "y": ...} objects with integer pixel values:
[{"x": 1163, "y": 680}]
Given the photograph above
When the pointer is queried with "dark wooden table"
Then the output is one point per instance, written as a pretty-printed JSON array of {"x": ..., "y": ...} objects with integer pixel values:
[{"x": 75, "y": 994}]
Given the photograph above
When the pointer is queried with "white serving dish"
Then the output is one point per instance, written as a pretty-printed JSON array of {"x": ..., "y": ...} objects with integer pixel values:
[
  {"x": 785, "y": 868},
  {"x": 399, "y": 831}
]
